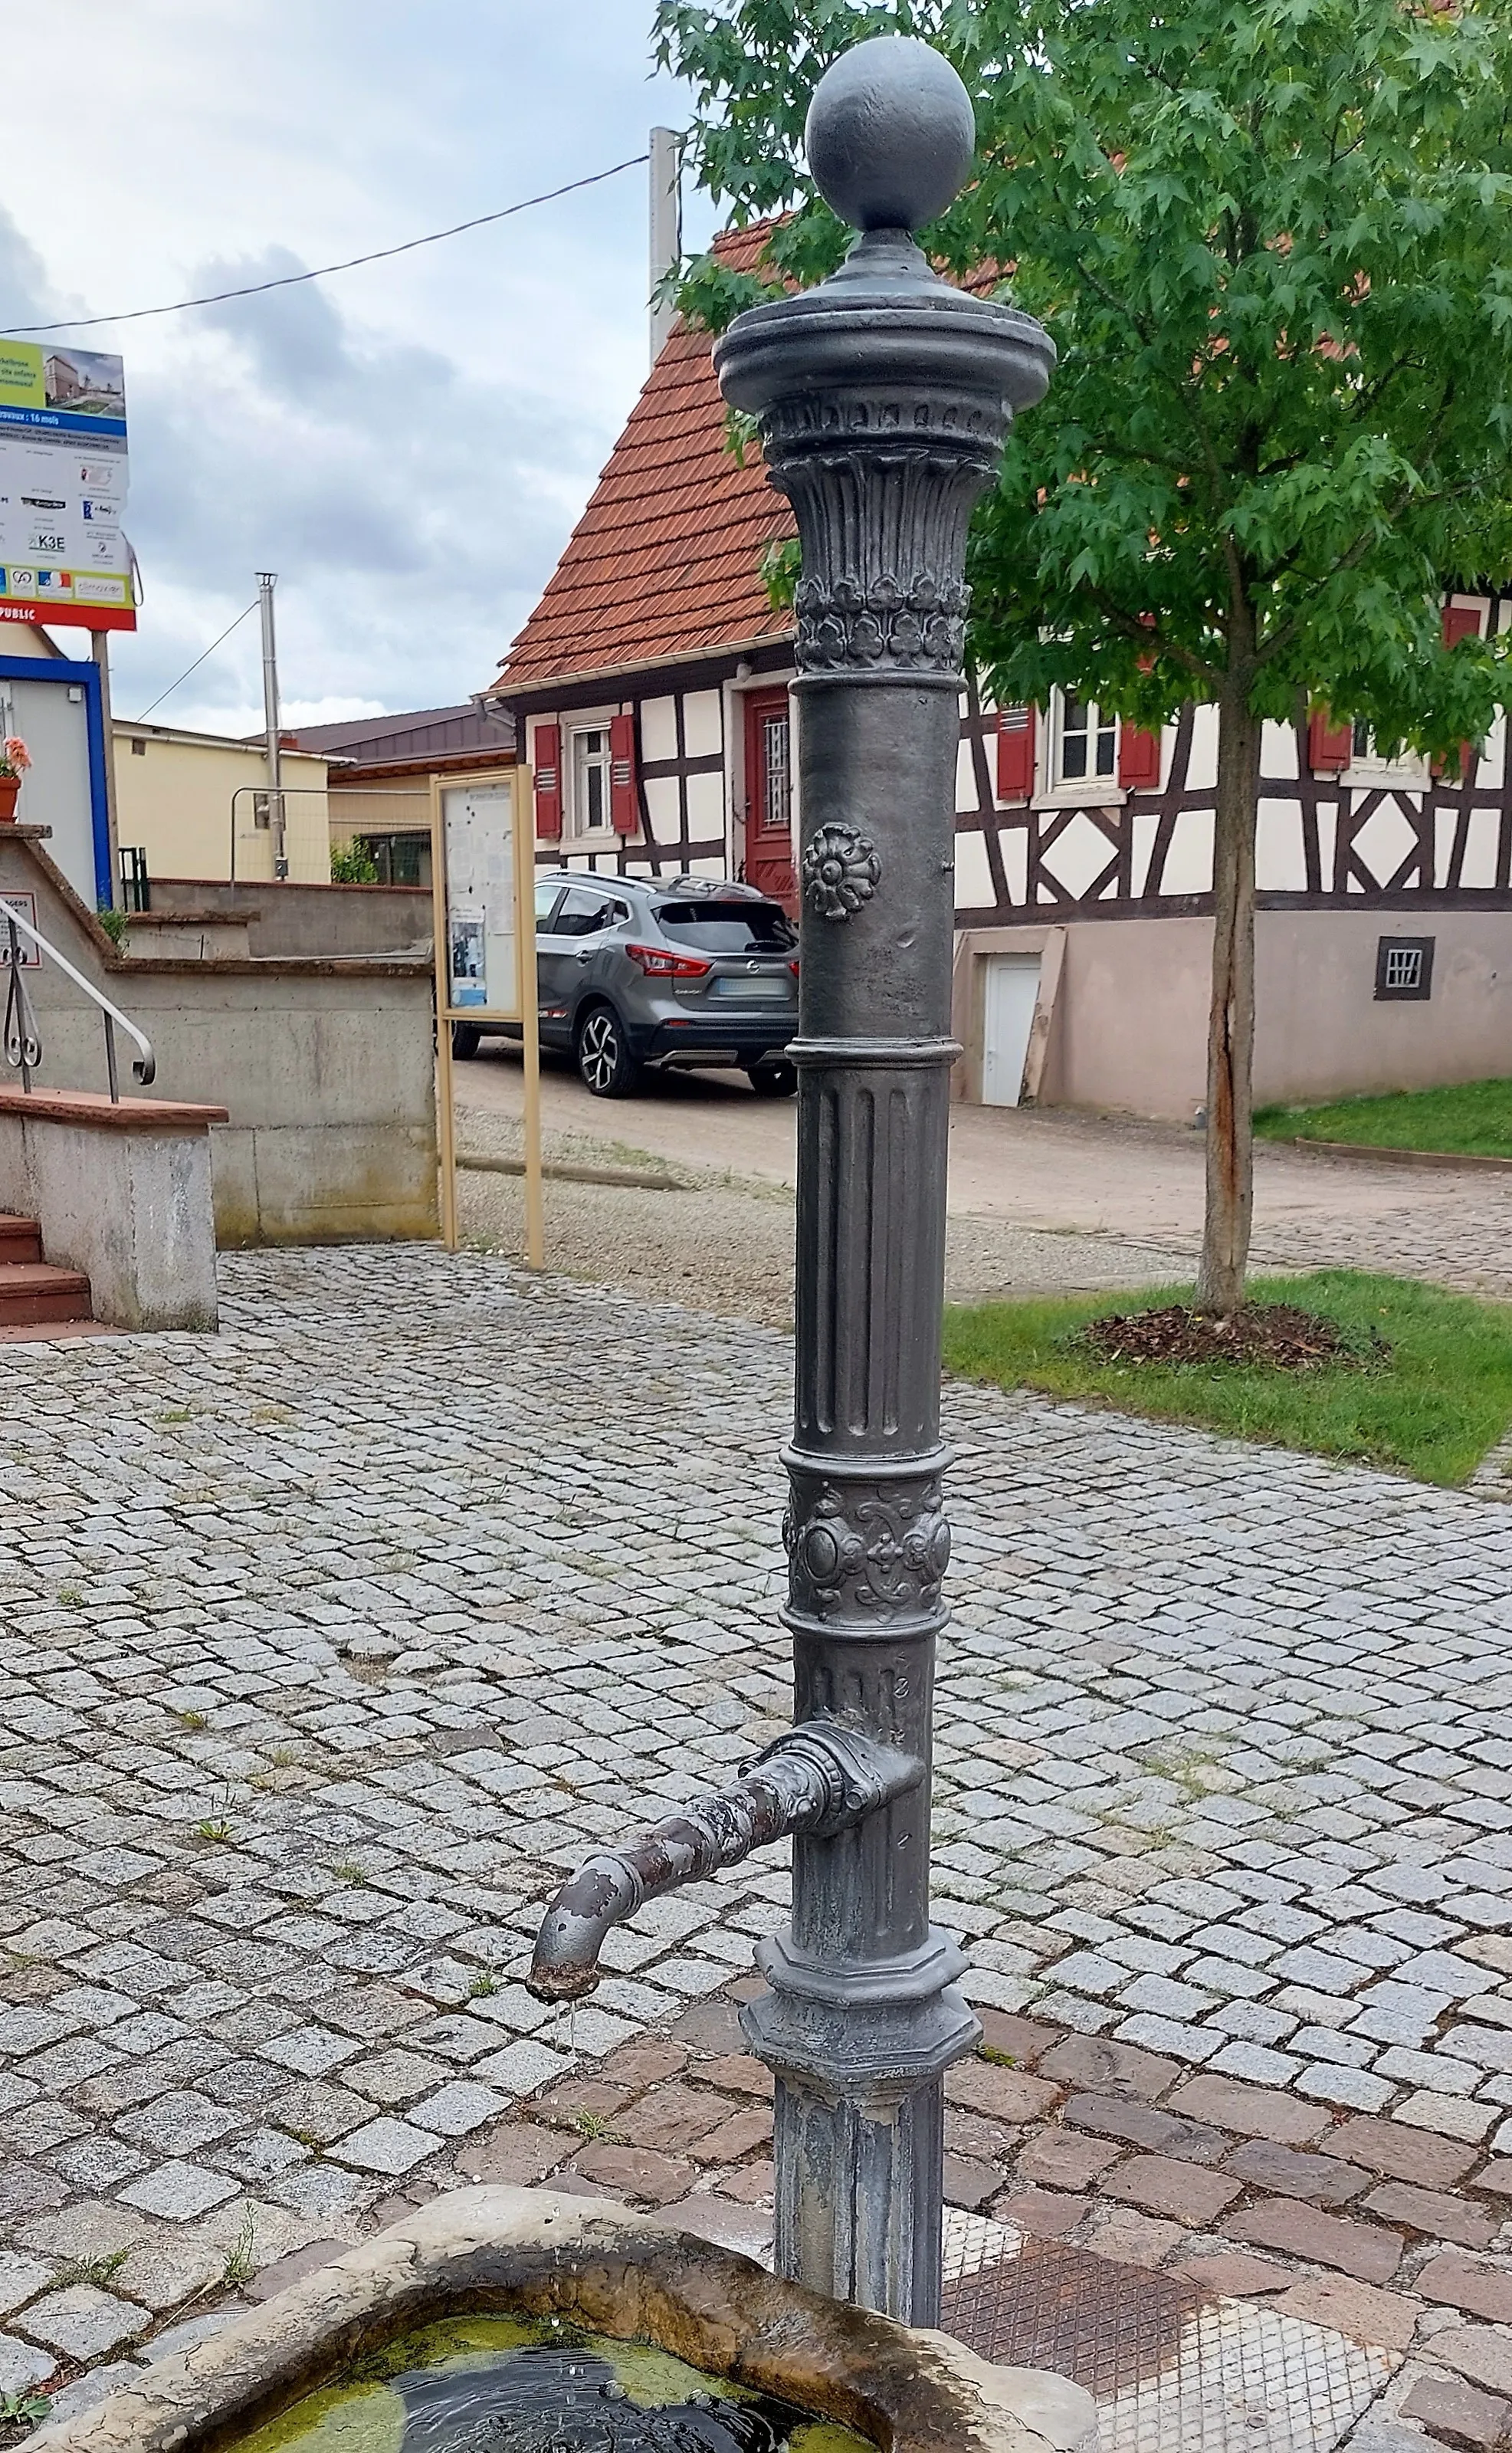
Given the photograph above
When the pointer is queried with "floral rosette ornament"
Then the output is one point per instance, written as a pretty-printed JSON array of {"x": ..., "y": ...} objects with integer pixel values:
[{"x": 841, "y": 870}]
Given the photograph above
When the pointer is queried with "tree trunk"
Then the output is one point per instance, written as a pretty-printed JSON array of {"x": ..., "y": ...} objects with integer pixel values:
[{"x": 1231, "y": 1020}]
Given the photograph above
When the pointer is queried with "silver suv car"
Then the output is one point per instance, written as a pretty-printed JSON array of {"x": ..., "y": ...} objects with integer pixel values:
[{"x": 636, "y": 971}]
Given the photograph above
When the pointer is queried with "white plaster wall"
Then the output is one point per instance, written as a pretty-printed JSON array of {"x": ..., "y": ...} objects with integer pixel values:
[
  {"x": 1280, "y": 865},
  {"x": 702, "y": 724},
  {"x": 1189, "y": 861},
  {"x": 658, "y": 729},
  {"x": 1481, "y": 849},
  {"x": 1146, "y": 826},
  {"x": 974, "y": 888},
  {"x": 706, "y": 807},
  {"x": 1203, "y": 773},
  {"x": 661, "y": 800}
]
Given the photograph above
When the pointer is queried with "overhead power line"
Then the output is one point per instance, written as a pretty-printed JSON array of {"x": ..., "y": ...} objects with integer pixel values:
[
  {"x": 198, "y": 661},
  {"x": 293, "y": 280}
]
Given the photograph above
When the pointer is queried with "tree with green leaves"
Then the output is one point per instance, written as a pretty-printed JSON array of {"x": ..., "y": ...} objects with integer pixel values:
[
  {"x": 1272, "y": 240},
  {"x": 352, "y": 863}
]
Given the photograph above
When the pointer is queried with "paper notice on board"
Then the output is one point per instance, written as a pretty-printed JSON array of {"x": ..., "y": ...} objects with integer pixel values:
[{"x": 477, "y": 825}]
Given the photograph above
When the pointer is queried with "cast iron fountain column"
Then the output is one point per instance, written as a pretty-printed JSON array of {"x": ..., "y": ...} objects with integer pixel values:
[{"x": 883, "y": 399}]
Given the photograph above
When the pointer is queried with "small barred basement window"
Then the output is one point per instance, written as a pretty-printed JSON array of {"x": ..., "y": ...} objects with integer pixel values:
[{"x": 1405, "y": 968}]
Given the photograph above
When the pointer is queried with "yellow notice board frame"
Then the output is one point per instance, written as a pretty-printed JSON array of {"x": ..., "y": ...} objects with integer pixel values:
[{"x": 521, "y": 1011}]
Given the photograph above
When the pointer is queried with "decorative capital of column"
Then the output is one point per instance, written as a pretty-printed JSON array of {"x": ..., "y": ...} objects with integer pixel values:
[{"x": 884, "y": 395}]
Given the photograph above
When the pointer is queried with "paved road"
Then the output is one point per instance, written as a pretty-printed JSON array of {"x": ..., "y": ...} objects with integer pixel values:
[
  {"x": 329, "y": 1643},
  {"x": 1064, "y": 1174}
]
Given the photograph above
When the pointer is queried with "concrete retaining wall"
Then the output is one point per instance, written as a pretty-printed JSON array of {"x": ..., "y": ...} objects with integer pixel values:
[
  {"x": 122, "y": 1192},
  {"x": 309, "y": 920},
  {"x": 326, "y": 1068}
]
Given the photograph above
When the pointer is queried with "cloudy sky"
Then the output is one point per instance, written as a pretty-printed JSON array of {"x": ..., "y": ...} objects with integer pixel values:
[{"x": 407, "y": 446}]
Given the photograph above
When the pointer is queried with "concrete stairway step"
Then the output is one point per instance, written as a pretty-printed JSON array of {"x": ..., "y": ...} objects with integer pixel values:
[
  {"x": 20, "y": 1239},
  {"x": 34, "y": 1291}
]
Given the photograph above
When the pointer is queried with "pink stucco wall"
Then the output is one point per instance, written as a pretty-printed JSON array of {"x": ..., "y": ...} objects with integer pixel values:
[{"x": 1131, "y": 1021}]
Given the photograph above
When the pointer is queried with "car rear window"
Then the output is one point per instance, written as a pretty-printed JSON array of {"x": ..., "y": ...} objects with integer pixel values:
[{"x": 729, "y": 927}]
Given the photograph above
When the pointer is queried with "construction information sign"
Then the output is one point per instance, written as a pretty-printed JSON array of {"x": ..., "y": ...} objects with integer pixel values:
[{"x": 63, "y": 470}]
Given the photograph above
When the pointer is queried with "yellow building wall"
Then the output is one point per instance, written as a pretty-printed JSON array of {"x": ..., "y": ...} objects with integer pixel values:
[
  {"x": 174, "y": 796},
  {"x": 386, "y": 809}
]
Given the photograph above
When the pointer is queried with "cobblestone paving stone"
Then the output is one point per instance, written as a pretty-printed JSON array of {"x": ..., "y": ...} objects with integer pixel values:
[{"x": 327, "y": 1644}]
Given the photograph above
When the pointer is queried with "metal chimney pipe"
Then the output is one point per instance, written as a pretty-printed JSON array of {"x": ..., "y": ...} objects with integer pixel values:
[
  {"x": 666, "y": 227},
  {"x": 883, "y": 398},
  {"x": 267, "y": 582}
]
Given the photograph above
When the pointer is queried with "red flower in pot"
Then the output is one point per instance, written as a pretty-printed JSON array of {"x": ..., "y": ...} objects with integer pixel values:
[{"x": 15, "y": 760}]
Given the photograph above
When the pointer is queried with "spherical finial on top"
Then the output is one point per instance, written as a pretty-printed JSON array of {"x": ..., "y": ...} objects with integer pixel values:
[{"x": 890, "y": 134}]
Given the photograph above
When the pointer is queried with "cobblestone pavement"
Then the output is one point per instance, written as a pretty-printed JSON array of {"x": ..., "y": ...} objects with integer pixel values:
[{"x": 330, "y": 1642}]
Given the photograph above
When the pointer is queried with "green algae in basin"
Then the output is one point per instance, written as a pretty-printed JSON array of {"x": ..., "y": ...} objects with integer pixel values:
[{"x": 504, "y": 2384}]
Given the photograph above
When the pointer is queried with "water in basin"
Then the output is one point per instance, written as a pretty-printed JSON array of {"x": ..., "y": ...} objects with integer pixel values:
[{"x": 502, "y": 2384}]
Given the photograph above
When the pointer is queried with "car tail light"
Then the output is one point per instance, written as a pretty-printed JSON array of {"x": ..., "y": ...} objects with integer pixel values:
[
  {"x": 658, "y": 965},
  {"x": 793, "y": 967}
]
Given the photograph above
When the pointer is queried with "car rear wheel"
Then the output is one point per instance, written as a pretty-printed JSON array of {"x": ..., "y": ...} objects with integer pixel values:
[
  {"x": 604, "y": 1061},
  {"x": 466, "y": 1040},
  {"x": 774, "y": 1081}
]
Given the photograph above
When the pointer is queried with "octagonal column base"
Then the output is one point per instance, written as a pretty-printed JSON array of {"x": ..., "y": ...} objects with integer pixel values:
[{"x": 858, "y": 2055}]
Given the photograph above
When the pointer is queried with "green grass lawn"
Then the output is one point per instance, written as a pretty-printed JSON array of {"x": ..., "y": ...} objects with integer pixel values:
[
  {"x": 1433, "y": 1410},
  {"x": 1471, "y": 1117}
]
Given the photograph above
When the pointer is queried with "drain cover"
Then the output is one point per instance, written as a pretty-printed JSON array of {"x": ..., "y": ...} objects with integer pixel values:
[
  {"x": 1171, "y": 2367},
  {"x": 1109, "y": 2328}
]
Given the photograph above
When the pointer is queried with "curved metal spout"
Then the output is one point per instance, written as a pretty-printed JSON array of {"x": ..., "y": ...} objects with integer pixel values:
[{"x": 821, "y": 1778}]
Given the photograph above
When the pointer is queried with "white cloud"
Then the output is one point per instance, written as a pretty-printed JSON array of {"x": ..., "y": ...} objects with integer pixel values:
[
  {"x": 407, "y": 446},
  {"x": 410, "y": 508}
]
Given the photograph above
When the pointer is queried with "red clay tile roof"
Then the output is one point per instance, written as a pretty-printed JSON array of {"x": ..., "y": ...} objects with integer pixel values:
[{"x": 662, "y": 564}]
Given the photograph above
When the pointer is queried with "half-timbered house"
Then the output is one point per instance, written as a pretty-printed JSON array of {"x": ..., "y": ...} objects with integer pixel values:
[{"x": 650, "y": 689}]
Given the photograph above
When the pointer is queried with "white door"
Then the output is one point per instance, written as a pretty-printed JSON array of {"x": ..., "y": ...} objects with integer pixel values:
[
  {"x": 53, "y": 720},
  {"x": 1012, "y": 990}
]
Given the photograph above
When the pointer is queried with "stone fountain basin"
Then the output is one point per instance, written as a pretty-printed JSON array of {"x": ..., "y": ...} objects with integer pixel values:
[{"x": 535, "y": 2253}]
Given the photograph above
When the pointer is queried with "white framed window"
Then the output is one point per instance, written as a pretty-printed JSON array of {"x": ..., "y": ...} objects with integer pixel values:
[
  {"x": 1408, "y": 770},
  {"x": 1083, "y": 742},
  {"x": 590, "y": 780}
]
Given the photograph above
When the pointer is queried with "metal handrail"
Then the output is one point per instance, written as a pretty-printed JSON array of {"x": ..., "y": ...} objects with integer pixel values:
[
  {"x": 23, "y": 1040},
  {"x": 311, "y": 791}
]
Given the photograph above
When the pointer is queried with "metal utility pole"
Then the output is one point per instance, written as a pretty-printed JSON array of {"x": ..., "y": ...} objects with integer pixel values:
[
  {"x": 883, "y": 397},
  {"x": 666, "y": 227},
  {"x": 267, "y": 582},
  {"x": 100, "y": 650}
]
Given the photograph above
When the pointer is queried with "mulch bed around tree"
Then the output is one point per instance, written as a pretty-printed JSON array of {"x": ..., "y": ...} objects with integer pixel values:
[{"x": 1276, "y": 1335}]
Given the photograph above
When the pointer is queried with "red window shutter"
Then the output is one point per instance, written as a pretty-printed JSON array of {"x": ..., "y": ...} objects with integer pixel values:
[
  {"x": 1459, "y": 622},
  {"x": 1330, "y": 745},
  {"x": 1139, "y": 759},
  {"x": 625, "y": 815},
  {"x": 547, "y": 781},
  {"x": 1016, "y": 754}
]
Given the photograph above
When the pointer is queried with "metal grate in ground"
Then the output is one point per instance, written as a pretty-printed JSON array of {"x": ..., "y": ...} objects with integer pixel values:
[{"x": 1172, "y": 2367}]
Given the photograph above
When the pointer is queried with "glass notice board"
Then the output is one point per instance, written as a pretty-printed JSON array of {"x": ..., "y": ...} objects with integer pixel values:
[{"x": 483, "y": 862}]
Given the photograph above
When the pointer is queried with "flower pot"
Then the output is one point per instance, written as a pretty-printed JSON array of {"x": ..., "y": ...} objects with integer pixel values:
[{"x": 10, "y": 793}]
